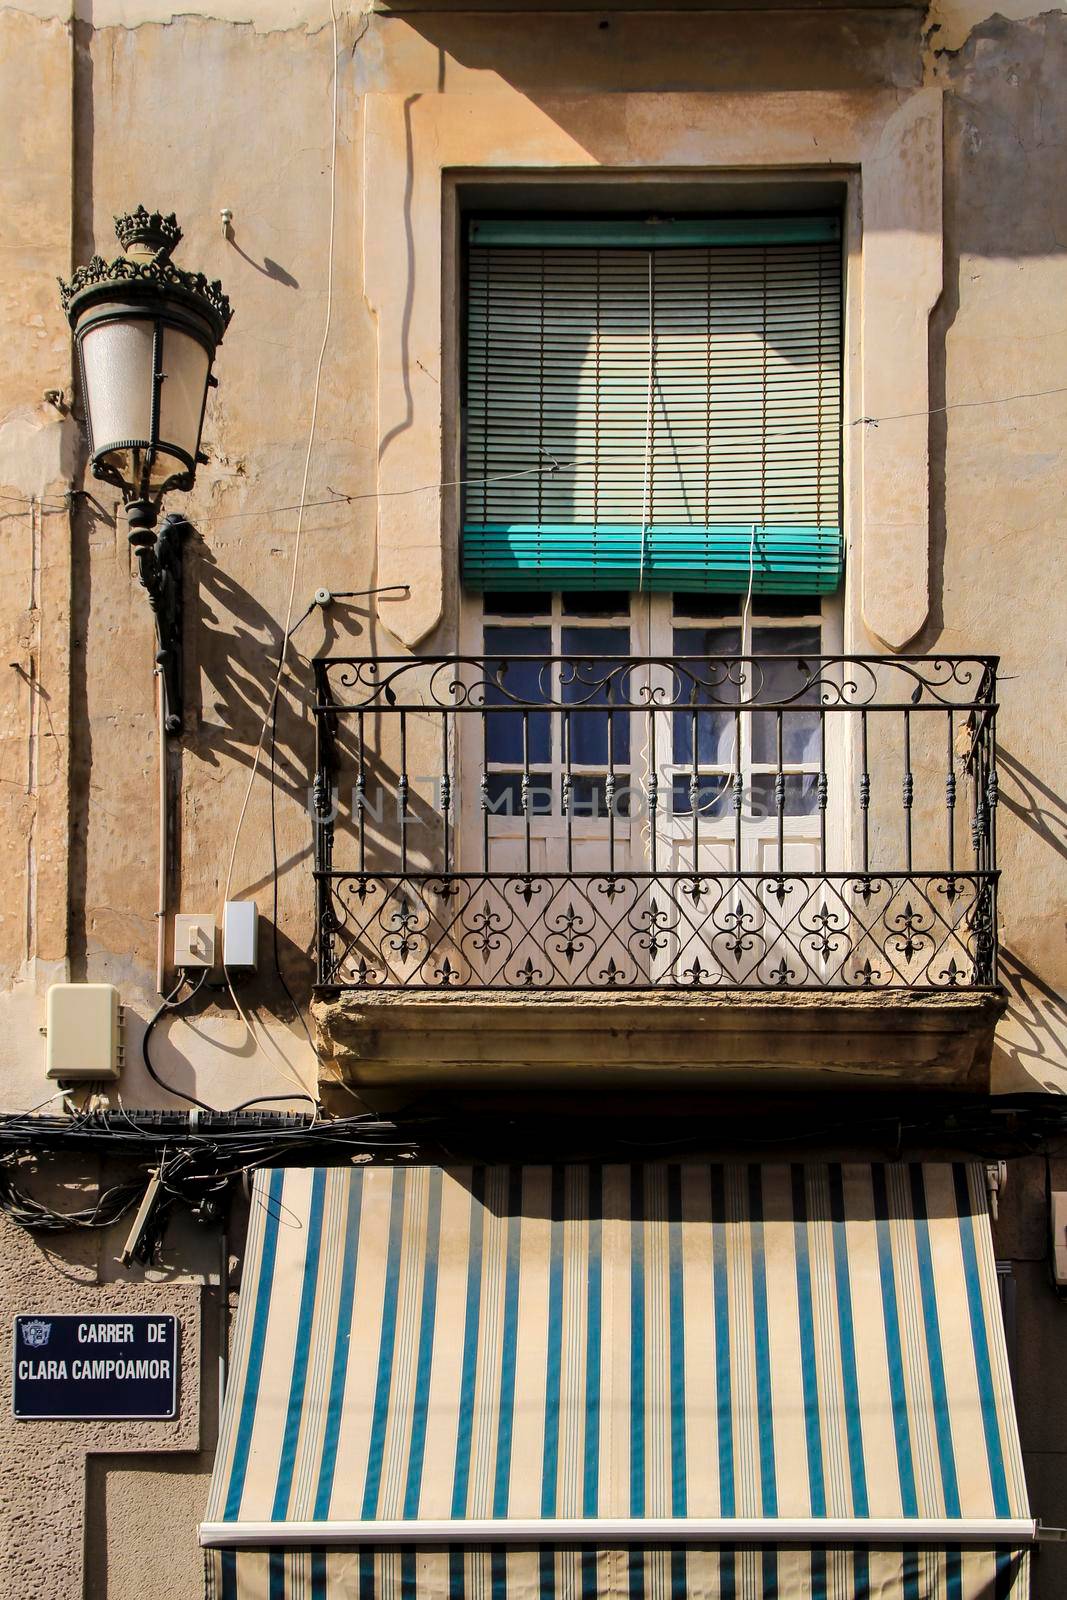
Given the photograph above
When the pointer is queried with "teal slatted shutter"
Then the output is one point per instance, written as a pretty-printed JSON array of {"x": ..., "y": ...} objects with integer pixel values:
[{"x": 645, "y": 417}]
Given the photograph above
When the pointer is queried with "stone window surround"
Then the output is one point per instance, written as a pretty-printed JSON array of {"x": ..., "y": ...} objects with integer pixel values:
[{"x": 885, "y": 146}]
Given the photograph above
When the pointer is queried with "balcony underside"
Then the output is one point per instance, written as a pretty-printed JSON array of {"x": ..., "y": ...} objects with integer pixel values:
[
  {"x": 489, "y": 7},
  {"x": 416, "y": 1040}
]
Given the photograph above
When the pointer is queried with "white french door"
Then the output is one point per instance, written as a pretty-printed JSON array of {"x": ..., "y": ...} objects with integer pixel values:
[{"x": 692, "y": 777}]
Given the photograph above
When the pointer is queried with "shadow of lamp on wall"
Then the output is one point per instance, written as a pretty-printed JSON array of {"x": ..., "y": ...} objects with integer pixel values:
[{"x": 145, "y": 334}]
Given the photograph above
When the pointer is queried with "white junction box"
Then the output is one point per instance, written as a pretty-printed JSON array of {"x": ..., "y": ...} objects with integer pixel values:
[
  {"x": 194, "y": 940},
  {"x": 84, "y": 1034},
  {"x": 240, "y": 935}
]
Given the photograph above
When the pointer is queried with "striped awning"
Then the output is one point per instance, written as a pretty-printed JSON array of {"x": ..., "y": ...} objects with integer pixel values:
[{"x": 731, "y": 1381}]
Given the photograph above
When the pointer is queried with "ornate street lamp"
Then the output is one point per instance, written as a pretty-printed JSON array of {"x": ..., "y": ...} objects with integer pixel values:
[{"x": 146, "y": 333}]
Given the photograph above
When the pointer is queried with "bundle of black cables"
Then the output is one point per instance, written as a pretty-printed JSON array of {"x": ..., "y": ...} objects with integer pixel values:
[{"x": 111, "y": 1204}]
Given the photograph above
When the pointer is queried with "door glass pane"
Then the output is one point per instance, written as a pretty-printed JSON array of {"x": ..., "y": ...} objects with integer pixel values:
[
  {"x": 785, "y": 680},
  {"x": 714, "y": 797},
  {"x": 801, "y": 794},
  {"x": 516, "y": 671},
  {"x": 517, "y": 603},
  {"x": 591, "y": 603},
  {"x": 583, "y": 669},
  {"x": 504, "y": 794},
  {"x": 714, "y": 729},
  {"x": 589, "y": 797},
  {"x": 712, "y": 606}
]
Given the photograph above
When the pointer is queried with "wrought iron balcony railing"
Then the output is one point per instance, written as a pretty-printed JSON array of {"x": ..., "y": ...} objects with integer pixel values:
[{"x": 656, "y": 823}]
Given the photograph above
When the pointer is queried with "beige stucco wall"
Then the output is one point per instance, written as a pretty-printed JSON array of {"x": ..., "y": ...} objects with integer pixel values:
[
  {"x": 956, "y": 119},
  {"x": 210, "y": 112}
]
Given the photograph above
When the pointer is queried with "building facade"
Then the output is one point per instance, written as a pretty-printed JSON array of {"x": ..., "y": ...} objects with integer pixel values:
[{"x": 620, "y": 658}]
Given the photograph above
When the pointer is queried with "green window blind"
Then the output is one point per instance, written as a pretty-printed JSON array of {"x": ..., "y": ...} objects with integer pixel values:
[{"x": 652, "y": 416}]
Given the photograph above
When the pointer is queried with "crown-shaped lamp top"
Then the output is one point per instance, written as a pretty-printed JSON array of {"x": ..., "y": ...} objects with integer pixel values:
[
  {"x": 148, "y": 232},
  {"x": 145, "y": 270}
]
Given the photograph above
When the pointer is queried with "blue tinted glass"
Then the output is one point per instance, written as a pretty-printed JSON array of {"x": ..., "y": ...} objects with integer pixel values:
[
  {"x": 718, "y": 681},
  {"x": 516, "y": 672},
  {"x": 589, "y": 797},
  {"x": 516, "y": 656},
  {"x": 505, "y": 794},
  {"x": 607, "y": 603},
  {"x": 801, "y": 794},
  {"x": 503, "y": 737},
  {"x": 789, "y": 605},
  {"x": 714, "y": 797},
  {"x": 503, "y": 603},
  {"x": 793, "y": 682},
  {"x": 708, "y": 605},
  {"x": 596, "y": 642},
  {"x": 585, "y": 683}
]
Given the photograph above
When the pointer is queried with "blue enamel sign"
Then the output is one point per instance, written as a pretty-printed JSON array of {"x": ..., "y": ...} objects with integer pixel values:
[{"x": 96, "y": 1366}]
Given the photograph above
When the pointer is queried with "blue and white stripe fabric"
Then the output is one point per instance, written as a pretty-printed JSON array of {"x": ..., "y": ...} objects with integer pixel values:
[{"x": 616, "y": 1344}]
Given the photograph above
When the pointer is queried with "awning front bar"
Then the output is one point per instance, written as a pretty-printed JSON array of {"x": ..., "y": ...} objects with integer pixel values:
[{"x": 1004, "y": 1531}]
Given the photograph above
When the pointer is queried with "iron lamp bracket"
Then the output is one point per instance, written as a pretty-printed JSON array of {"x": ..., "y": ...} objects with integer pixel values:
[{"x": 159, "y": 567}]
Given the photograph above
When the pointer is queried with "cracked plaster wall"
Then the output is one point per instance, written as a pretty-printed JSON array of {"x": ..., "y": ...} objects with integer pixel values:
[{"x": 119, "y": 103}]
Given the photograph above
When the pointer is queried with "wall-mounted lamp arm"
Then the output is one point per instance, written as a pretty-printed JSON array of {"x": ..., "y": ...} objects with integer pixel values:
[{"x": 159, "y": 567}]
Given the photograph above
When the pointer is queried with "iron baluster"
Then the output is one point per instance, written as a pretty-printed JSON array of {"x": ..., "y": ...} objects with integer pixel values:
[
  {"x": 779, "y": 791},
  {"x": 950, "y": 798},
  {"x": 524, "y": 790},
  {"x": 978, "y": 811},
  {"x": 609, "y": 791},
  {"x": 739, "y": 792},
  {"x": 402, "y": 791},
  {"x": 694, "y": 789},
  {"x": 865, "y": 795},
  {"x": 483, "y": 791},
  {"x": 824, "y": 791},
  {"x": 323, "y": 827},
  {"x": 908, "y": 790},
  {"x": 653, "y": 791},
  {"x": 361, "y": 793},
  {"x": 992, "y": 791},
  {"x": 568, "y": 791},
  {"x": 446, "y": 795}
]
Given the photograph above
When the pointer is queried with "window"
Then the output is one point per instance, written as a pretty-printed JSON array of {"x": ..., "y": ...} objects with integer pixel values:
[{"x": 651, "y": 405}]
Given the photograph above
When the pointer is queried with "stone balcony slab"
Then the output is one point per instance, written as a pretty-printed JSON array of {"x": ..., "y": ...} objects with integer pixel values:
[{"x": 658, "y": 1039}]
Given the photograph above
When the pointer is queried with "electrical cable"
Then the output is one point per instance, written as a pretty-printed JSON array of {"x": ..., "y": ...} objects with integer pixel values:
[
  {"x": 646, "y": 486},
  {"x": 35, "y": 1217},
  {"x": 460, "y": 483},
  {"x": 298, "y": 538},
  {"x": 312, "y": 427},
  {"x": 171, "y": 1003}
]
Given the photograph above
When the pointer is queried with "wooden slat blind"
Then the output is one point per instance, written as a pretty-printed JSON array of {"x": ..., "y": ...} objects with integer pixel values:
[{"x": 692, "y": 388}]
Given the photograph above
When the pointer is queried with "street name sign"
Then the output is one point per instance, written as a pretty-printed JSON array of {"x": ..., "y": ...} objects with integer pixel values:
[{"x": 118, "y": 1365}]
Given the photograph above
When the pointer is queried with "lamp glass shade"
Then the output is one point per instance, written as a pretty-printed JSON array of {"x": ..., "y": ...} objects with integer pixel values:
[
  {"x": 185, "y": 366},
  {"x": 117, "y": 363},
  {"x": 128, "y": 357}
]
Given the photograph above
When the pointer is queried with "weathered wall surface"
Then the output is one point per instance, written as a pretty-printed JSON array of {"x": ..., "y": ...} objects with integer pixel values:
[
  {"x": 999, "y": 478},
  {"x": 44, "y": 1528},
  {"x": 204, "y": 112},
  {"x": 127, "y": 101}
]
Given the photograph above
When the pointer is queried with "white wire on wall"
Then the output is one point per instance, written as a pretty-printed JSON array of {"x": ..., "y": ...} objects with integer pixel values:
[{"x": 297, "y": 546}]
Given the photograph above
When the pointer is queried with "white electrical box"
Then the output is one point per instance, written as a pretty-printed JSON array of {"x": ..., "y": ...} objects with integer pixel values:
[
  {"x": 84, "y": 1034},
  {"x": 194, "y": 940},
  {"x": 240, "y": 935}
]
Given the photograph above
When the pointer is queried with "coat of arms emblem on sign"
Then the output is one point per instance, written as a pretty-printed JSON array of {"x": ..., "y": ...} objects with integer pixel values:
[{"x": 36, "y": 1333}]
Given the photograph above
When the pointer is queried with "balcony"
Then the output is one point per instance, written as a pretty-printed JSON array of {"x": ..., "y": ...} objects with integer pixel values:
[{"x": 685, "y": 864}]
